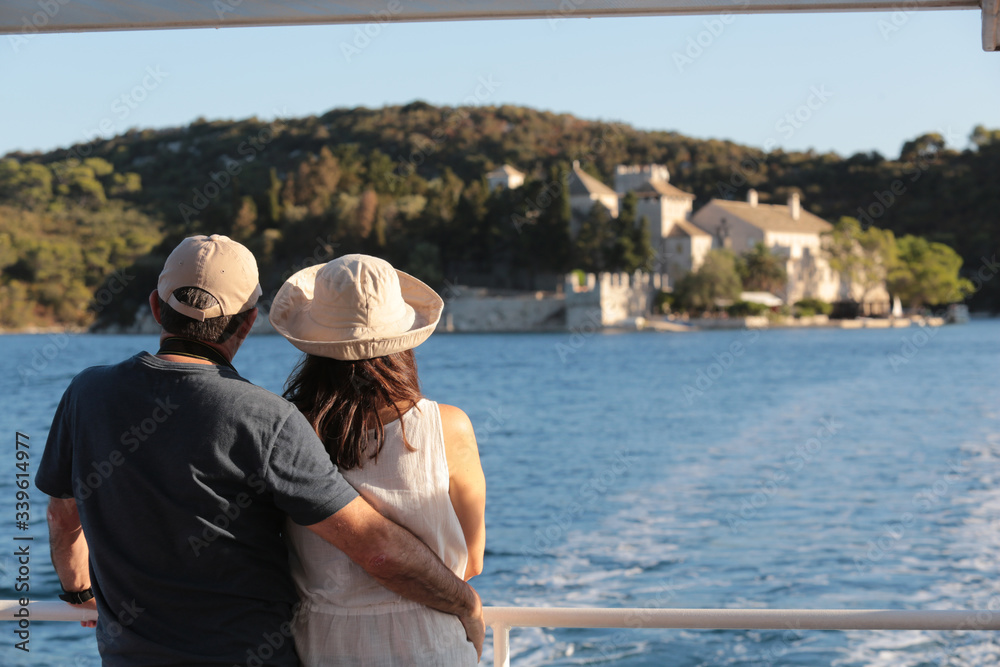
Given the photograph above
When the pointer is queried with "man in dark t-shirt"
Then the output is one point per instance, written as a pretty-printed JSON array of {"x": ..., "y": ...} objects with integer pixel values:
[{"x": 181, "y": 473}]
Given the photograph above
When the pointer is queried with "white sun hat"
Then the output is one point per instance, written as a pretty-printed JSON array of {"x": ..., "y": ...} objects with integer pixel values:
[{"x": 355, "y": 307}]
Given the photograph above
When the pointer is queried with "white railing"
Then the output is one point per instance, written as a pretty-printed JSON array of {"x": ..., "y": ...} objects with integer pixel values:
[
  {"x": 45, "y": 611},
  {"x": 502, "y": 619}
]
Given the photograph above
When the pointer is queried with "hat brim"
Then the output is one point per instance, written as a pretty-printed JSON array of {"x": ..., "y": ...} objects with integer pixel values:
[{"x": 293, "y": 301}]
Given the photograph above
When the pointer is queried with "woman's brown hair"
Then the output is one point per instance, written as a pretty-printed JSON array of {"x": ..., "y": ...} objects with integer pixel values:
[{"x": 342, "y": 399}]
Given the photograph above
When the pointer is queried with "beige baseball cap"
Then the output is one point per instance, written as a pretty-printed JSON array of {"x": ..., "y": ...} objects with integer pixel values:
[{"x": 217, "y": 264}]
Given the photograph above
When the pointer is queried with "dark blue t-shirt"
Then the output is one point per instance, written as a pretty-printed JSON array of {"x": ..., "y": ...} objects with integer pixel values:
[{"x": 183, "y": 474}]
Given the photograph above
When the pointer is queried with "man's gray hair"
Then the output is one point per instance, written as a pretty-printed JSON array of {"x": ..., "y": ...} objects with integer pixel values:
[{"x": 213, "y": 330}]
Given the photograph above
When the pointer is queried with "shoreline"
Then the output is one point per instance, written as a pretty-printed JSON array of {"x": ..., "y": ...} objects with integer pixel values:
[{"x": 640, "y": 325}]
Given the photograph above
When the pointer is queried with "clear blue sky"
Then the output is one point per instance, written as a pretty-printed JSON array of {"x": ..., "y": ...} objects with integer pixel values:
[{"x": 870, "y": 88}]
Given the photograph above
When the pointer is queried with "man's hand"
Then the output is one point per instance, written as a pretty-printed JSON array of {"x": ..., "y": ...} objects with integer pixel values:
[
  {"x": 89, "y": 604},
  {"x": 69, "y": 550},
  {"x": 475, "y": 626}
]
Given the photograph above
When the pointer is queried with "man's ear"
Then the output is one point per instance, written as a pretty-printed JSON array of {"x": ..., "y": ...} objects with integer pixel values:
[
  {"x": 247, "y": 325},
  {"x": 154, "y": 305}
]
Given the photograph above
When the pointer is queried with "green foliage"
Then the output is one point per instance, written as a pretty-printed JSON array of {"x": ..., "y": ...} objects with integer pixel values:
[
  {"x": 125, "y": 184},
  {"x": 62, "y": 239},
  {"x": 244, "y": 224},
  {"x": 79, "y": 182},
  {"x": 629, "y": 248},
  {"x": 927, "y": 273},
  {"x": 386, "y": 180},
  {"x": 746, "y": 309},
  {"x": 716, "y": 280},
  {"x": 924, "y": 146},
  {"x": 544, "y": 243},
  {"x": 25, "y": 185},
  {"x": 762, "y": 271},
  {"x": 863, "y": 256},
  {"x": 809, "y": 307},
  {"x": 316, "y": 182},
  {"x": 425, "y": 263},
  {"x": 99, "y": 166},
  {"x": 620, "y": 253},
  {"x": 596, "y": 235},
  {"x": 663, "y": 302},
  {"x": 920, "y": 272},
  {"x": 642, "y": 250},
  {"x": 982, "y": 137},
  {"x": 52, "y": 266},
  {"x": 273, "y": 196},
  {"x": 604, "y": 243}
]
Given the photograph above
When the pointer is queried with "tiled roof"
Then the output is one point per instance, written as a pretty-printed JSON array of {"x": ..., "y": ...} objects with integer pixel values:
[
  {"x": 683, "y": 228},
  {"x": 662, "y": 188},
  {"x": 774, "y": 217},
  {"x": 582, "y": 183}
]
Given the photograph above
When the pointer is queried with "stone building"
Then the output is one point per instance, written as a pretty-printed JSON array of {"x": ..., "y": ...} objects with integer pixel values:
[
  {"x": 632, "y": 176},
  {"x": 679, "y": 247},
  {"x": 788, "y": 231},
  {"x": 603, "y": 300},
  {"x": 609, "y": 299},
  {"x": 505, "y": 176},
  {"x": 584, "y": 192}
]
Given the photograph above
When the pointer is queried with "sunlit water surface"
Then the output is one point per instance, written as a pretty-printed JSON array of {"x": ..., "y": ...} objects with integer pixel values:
[{"x": 795, "y": 469}]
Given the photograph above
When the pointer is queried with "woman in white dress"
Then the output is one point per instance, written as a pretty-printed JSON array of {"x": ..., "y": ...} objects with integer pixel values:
[{"x": 415, "y": 461}]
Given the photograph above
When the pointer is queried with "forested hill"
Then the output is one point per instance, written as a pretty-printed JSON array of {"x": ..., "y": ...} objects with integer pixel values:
[{"x": 84, "y": 230}]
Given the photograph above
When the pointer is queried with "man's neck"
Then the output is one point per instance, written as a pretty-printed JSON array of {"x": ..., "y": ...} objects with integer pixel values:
[{"x": 222, "y": 353}]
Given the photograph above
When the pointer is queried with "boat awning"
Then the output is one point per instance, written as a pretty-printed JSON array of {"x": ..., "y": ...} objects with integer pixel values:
[
  {"x": 47, "y": 16},
  {"x": 763, "y": 298}
]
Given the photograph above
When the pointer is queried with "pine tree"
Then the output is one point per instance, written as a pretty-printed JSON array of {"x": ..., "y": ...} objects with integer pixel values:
[
  {"x": 549, "y": 235},
  {"x": 594, "y": 239},
  {"x": 619, "y": 255},
  {"x": 244, "y": 223},
  {"x": 274, "y": 197},
  {"x": 365, "y": 214},
  {"x": 642, "y": 250}
]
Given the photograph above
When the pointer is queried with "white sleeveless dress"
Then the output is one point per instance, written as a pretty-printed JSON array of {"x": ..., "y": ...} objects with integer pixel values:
[{"x": 348, "y": 618}]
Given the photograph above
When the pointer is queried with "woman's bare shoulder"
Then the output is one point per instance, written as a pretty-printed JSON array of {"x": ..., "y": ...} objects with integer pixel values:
[{"x": 455, "y": 423}]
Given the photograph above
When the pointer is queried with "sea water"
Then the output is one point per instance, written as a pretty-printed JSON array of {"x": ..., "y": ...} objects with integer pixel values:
[{"x": 821, "y": 468}]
